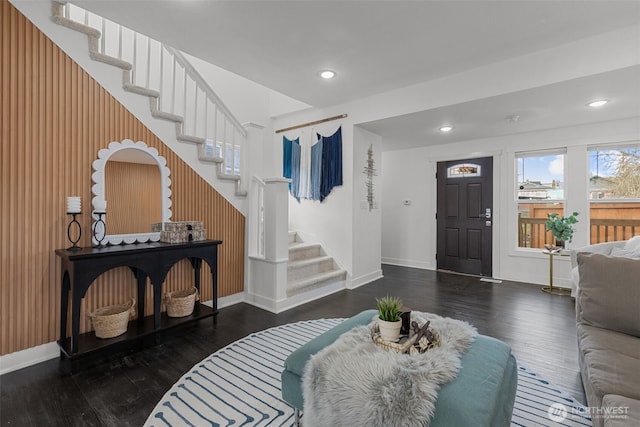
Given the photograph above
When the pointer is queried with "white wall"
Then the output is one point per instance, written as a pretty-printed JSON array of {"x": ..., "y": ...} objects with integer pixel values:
[
  {"x": 409, "y": 232},
  {"x": 406, "y": 232},
  {"x": 367, "y": 224}
]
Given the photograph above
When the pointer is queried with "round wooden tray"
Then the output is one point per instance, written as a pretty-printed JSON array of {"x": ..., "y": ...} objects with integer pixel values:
[{"x": 407, "y": 345}]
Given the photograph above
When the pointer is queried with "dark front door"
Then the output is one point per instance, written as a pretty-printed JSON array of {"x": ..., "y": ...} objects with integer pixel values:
[{"x": 465, "y": 215}]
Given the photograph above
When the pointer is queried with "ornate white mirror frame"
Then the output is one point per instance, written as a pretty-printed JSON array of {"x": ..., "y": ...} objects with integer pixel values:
[{"x": 98, "y": 189}]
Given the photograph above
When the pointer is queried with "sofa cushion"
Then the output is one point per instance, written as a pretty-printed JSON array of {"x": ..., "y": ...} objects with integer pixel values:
[
  {"x": 623, "y": 412},
  {"x": 624, "y": 252},
  {"x": 610, "y": 362},
  {"x": 609, "y": 294},
  {"x": 633, "y": 244}
]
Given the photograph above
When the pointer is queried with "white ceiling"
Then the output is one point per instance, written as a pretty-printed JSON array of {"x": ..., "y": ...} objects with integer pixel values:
[
  {"x": 378, "y": 46},
  {"x": 547, "y": 107}
]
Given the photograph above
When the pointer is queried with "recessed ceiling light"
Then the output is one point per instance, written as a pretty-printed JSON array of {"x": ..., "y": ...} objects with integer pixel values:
[
  {"x": 598, "y": 103},
  {"x": 446, "y": 129},
  {"x": 327, "y": 74}
]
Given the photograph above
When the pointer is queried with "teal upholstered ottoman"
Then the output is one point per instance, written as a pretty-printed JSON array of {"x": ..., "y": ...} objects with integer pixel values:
[{"x": 482, "y": 394}]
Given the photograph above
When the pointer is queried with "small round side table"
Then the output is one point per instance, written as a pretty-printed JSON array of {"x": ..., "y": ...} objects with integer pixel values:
[{"x": 555, "y": 290}]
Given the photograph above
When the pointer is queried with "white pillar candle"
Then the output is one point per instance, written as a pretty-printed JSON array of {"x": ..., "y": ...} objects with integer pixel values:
[
  {"x": 74, "y": 204},
  {"x": 100, "y": 205}
]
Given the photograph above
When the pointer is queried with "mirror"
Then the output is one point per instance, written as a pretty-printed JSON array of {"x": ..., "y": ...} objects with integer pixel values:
[{"x": 134, "y": 181}]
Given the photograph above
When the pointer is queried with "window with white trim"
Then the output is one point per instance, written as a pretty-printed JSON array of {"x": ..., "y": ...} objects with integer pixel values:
[
  {"x": 614, "y": 193},
  {"x": 540, "y": 190}
]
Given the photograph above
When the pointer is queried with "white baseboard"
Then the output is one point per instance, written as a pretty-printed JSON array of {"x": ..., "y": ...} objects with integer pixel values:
[
  {"x": 28, "y": 357},
  {"x": 409, "y": 263},
  {"x": 364, "y": 279},
  {"x": 261, "y": 302},
  {"x": 226, "y": 301},
  {"x": 278, "y": 306}
]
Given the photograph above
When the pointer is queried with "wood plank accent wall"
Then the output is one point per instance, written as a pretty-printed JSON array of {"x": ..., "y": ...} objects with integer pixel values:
[
  {"x": 54, "y": 118},
  {"x": 132, "y": 187}
]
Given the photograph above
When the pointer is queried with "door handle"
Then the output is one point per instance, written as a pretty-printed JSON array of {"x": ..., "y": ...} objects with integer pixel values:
[{"x": 486, "y": 215}]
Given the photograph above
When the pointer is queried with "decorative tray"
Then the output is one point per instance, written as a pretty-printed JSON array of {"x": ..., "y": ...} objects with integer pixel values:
[{"x": 421, "y": 339}]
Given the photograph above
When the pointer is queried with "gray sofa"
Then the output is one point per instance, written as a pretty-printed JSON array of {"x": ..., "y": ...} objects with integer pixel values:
[
  {"x": 608, "y": 327},
  {"x": 600, "y": 248}
]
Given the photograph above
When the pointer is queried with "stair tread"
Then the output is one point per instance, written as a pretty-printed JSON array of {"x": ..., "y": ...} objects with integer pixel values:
[
  {"x": 294, "y": 237},
  {"x": 111, "y": 60},
  {"x": 190, "y": 138},
  {"x": 229, "y": 176},
  {"x": 316, "y": 278},
  {"x": 69, "y": 23},
  {"x": 141, "y": 90},
  {"x": 167, "y": 116},
  {"x": 302, "y": 245},
  {"x": 309, "y": 261},
  {"x": 211, "y": 159}
]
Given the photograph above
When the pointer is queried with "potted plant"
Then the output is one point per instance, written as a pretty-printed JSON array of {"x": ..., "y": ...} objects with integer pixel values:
[
  {"x": 389, "y": 310},
  {"x": 561, "y": 227}
]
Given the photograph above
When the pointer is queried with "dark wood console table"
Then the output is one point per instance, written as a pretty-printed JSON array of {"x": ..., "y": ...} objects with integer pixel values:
[{"x": 153, "y": 260}]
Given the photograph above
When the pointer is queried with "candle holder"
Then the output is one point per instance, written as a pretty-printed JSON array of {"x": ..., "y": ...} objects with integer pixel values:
[
  {"x": 99, "y": 229},
  {"x": 75, "y": 246}
]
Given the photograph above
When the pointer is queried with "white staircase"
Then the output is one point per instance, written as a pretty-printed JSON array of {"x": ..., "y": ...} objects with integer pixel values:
[
  {"x": 178, "y": 94},
  {"x": 176, "y": 91},
  {"x": 310, "y": 269}
]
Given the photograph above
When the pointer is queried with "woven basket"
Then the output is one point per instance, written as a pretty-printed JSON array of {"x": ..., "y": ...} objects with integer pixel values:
[
  {"x": 181, "y": 303},
  {"x": 112, "y": 321}
]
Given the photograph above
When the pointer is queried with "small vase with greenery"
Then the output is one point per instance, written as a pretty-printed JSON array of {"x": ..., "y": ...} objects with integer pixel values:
[
  {"x": 561, "y": 227},
  {"x": 389, "y": 311}
]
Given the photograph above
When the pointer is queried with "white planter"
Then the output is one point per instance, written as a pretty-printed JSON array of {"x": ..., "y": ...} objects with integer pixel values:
[{"x": 389, "y": 331}]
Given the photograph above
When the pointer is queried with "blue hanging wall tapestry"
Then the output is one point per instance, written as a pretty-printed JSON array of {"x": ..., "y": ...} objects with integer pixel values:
[
  {"x": 291, "y": 164},
  {"x": 314, "y": 169}
]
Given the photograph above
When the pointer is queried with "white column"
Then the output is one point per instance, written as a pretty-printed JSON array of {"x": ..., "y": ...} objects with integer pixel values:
[
  {"x": 276, "y": 219},
  {"x": 267, "y": 277}
]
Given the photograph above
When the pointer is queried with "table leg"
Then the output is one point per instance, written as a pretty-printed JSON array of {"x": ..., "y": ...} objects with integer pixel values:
[
  {"x": 196, "y": 263},
  {"x": 551, "y": 289},
  {"x": 214, "y": 284},
  {"x": 64, "y": 308},
  {"x": 142, "y": 283},
  {"x": 157, "y": 304},
  {"x": 75, "y": 320},
  {"x": 551, "y": 271}
]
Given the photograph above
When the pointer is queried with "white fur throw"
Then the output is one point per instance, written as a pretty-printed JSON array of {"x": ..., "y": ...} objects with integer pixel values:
[{"x": 353, "y": 382}]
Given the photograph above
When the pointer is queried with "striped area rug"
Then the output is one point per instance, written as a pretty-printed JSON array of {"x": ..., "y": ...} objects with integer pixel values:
[{"x": 239, "y": 385}]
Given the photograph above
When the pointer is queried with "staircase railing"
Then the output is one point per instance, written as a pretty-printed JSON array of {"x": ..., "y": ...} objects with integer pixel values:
[{"x": 183, "y": 96}]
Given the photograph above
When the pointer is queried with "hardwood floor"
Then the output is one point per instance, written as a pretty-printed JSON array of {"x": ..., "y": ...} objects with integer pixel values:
[{"x": 123, "y": 389}]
